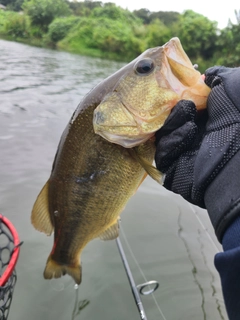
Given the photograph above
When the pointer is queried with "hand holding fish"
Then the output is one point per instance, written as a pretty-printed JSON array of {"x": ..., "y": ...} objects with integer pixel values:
[
  {"x": 202, "y": 151},
  {"x": 200, "y": 155}
]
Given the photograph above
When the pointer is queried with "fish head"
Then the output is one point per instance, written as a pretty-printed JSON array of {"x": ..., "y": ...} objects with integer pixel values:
[{"x": 148, "y": 88}]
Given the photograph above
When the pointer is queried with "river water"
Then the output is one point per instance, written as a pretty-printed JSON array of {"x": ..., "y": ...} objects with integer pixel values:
[{"x": 164, "y": 238}]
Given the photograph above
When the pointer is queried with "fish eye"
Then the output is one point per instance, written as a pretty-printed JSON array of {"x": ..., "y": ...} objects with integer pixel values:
[{"x": 144, "y": 66}]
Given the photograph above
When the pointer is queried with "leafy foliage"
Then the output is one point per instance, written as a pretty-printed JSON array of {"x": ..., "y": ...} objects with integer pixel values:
[
  {"x": 166, "y": 17},
  {"x": 83, "y": 8},
  {"x": 105, "y": 35},
  {"x": 43, "y": 12},
  {"x": 198, "y": 34},
  {"x": 108, "y": 29},
  {"x": 144, "y": 14},
  {"x": 17, "y": 26},
  {"x": 228, "y": 46},
  {"x": 60, "y": 27},
  {"x": 14, "y": 5},
  {"x": 157, "y": 33},
  {"x": 4, "y": 17},
  {"x": 110, "y": 11}
]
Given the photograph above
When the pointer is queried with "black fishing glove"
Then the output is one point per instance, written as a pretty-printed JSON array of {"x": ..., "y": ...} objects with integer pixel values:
[{"x": 200, "y": 151}]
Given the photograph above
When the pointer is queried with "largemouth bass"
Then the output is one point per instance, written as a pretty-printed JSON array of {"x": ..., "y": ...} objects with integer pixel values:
[{"x": 92, "y": 179}]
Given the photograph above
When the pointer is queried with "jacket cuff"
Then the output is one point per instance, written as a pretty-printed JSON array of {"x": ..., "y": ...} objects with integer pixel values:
[{"x": 222, "y": 197}]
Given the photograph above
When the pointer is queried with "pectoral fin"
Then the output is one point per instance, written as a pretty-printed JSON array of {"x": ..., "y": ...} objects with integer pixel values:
[
  {"x": 40, "y": 217},
  {"x": 152, "y": 171},
  {"x": 111, "y": 233}
]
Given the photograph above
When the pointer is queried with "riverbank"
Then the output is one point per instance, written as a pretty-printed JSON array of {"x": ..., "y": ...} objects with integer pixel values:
[
  {"x": 76, "y": 49},
  {"x": 91, "y": 36},
  {"x": 107, "y": 31}
]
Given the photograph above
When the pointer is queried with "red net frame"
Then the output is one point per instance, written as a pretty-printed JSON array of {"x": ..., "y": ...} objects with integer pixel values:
[{"x": 9, "y": 252}]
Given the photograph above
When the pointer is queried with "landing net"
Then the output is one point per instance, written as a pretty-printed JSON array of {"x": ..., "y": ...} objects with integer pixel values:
[{"x": 9, "y": 251}]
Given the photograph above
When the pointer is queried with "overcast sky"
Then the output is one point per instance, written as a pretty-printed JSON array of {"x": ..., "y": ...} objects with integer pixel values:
[{"x": 219, "y": 11}]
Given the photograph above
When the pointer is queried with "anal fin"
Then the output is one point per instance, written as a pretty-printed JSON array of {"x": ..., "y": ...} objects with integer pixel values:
[{"x": 111, "y": 233}]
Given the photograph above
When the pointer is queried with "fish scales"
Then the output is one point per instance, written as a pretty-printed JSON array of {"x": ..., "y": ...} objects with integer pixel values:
[
  {"x": 86, "y": 200},
  {"x": 90, "y": 200}
]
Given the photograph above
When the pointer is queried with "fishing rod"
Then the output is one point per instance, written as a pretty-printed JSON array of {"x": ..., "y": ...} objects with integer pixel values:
[{"x": 132, "y": 282}]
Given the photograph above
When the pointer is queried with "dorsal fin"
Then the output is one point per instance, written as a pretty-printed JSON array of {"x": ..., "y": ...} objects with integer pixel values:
[{"x": 40, "y": 217}]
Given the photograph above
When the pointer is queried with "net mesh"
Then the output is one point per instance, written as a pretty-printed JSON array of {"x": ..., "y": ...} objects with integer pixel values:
[
  {"x": 6, "y": 294},
  {"x": 7, "y": 247}
]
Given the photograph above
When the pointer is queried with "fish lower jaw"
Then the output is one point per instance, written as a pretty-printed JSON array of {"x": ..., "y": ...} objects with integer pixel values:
[{"x": 125, "y": 141}]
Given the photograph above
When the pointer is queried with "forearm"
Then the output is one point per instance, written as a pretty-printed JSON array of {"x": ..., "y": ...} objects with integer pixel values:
[
  {"x": 228, "y": 265},
  {"x": 222, "y": 197},
  {"x": 200, "y": 156}
]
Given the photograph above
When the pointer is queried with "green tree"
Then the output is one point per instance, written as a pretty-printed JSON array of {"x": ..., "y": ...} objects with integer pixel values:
[
  {"x": 198, "y": 34},
  {"x": 83, "y": 8},
  {"x": 113, "y": 12},
  {"x": 60, "y": 27},
  {"x": 228, "y": 46},
  {"x": 17, "y": 25},
  {"x": 167, "y": 17},
  {"x": 42, "y": 12},
  {"x": 157, "y": 33},
  {"x": 14, "y": 5},
  {"x": 143, "y": 14},
  {"x": 109, "y": 32}
]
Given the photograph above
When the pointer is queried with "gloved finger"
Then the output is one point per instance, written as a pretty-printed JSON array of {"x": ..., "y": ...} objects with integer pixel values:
[
  {"x": 229, "y": 77},
  {"x": 171, "y": 146},
  {"x": 179, "y": 177},
  {"x": 231, "y": 82},
  {"x": 216, "y": 70},
  {"x": 225, "y": 83},
  {"x": 213, "y": 75},
  {"x": 184, "y": 111}
]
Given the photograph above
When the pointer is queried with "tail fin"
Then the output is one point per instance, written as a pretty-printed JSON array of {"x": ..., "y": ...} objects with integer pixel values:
[{"x": 56, "y": 270}]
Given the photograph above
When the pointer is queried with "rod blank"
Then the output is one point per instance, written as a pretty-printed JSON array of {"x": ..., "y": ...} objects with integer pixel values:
[{"x": 131, "y": 281}]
